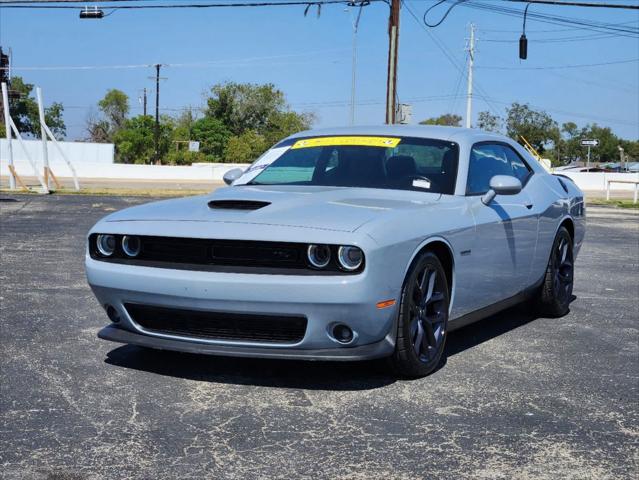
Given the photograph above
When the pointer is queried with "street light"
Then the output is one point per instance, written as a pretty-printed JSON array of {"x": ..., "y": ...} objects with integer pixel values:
[{"x": 355, "y": 24}]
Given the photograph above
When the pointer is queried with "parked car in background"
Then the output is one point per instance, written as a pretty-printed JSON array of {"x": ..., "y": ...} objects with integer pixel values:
[{"x": 343, "y": 244}]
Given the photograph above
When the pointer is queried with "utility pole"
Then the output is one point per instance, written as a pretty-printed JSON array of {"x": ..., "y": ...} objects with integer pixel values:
[
  {"x": 144, "y": 102},
  {"x": 471, "y": 61},
  {"x": 393, "y": 47},
  {"x": 355, "y": 23},
  {"x": 157, "y": 113}
]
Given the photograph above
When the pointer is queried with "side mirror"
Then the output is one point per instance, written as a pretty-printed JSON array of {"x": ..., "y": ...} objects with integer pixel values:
[
  {"x": 232, "y": 175},
  {"x": 501, "y": 185}
]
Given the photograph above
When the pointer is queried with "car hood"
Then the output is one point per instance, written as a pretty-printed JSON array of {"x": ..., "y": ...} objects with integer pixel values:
[{"x": 325, "y": 208}]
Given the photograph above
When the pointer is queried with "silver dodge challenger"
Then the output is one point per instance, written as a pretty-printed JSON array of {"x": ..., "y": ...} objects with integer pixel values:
[{"x": 343, "y": 244}]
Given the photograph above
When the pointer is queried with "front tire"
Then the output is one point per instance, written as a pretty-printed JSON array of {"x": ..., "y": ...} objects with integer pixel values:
[
  {"x": 556, "y": 290},
  {"x": 423, "y": 318}
]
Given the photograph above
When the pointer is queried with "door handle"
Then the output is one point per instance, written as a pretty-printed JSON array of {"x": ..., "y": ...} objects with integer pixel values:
[{"x": 529, "y": 206}]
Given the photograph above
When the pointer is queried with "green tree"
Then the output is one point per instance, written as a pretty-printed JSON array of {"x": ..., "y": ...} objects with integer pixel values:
[
  {"x": 447, "y": 119},
  {"x": 489, "y": 122},
  {"x": 283, "y": 124},
  {"x": 245, "y": 106},
  {"x": 135, "y": 141},
  {"x": 245, "y": 112},
  {"x": 24, "y": 111},
  {"x": 213, "y": 136},
  {"x": 114, "y": 108},
  {"x": 537, "y": 127},
  {"x": 245, "y": 148},
  {"x": 607, "y": 151}
]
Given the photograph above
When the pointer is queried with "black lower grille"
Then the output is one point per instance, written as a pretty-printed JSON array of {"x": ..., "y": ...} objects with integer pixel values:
[{"x": 218, "y": 325}]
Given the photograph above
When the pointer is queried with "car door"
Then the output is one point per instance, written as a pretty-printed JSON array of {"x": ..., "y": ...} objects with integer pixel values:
[{"x": 506, "y": 228}]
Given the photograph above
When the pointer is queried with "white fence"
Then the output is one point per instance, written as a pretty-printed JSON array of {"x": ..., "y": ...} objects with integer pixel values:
[
  {"x": 590, "y": 181},
  {"x": 95, "y": 160}
]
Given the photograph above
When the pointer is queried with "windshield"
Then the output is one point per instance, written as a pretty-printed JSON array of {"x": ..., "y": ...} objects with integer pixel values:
[{"x": 403, "y": 163}]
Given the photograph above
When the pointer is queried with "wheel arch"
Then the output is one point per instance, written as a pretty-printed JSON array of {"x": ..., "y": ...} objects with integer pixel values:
[
  {"x": 570, "y": 226},
  {"x": 444, "y": 251}
]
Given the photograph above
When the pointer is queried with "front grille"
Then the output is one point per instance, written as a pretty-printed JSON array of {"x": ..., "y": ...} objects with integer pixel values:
[
  {"x": 218, "y": 325},
  {"x": 221, "y": 252},
  {"x": 219, "y": 255}
]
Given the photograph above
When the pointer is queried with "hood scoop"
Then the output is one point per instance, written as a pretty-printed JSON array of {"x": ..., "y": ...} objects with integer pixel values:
[{"x": 237, "y": 204}]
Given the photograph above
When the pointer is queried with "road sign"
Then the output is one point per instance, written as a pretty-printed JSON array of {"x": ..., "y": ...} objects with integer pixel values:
[{"x": 590, "y": 143}]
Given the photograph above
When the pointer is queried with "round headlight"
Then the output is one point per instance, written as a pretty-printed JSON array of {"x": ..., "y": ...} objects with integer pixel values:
[
  {"x": 131, "y": 245},
  {"x": 319, "y": 255},
  {"x": 350, "y": 258},
  {"x": 105, "y": 245}
]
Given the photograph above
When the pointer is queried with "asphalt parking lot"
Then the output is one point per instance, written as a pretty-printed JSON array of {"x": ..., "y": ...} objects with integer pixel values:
[{"x": 519, "y": 396}]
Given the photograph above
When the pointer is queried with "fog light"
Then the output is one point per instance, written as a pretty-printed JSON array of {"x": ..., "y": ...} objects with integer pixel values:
[
  {"x": 342, "y": 333},
  {"x": 319, "y": 255},
  {"x": 131, "y": 245},
  {"x": 112, "y": 313},
  {"x": 105, "y": 245},
  {"x": 350, "y": 258}
]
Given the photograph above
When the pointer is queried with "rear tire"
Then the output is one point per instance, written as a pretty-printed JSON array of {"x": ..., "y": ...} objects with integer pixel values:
[
  {"x": 423, "y": 318},
  {"x": 556, "y": 291}
]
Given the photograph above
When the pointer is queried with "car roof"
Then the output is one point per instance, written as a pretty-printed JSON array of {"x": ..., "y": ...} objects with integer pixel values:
[{"x": 437, "y": 132}]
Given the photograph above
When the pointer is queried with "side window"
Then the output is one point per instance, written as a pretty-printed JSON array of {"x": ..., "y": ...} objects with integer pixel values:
[
  {"x": 520, "y": 169},
  {"x": 486, "y": 161}
]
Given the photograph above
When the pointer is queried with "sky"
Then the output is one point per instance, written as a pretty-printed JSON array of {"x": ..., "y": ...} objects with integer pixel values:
[{"x": 309, "y": 59}]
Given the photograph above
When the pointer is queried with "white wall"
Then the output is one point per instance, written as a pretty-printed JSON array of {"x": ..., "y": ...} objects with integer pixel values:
[
  {"x": 76, "y": 152},
  {"x": 598, "y": 180},
  {"x": 95, "y": 160}
]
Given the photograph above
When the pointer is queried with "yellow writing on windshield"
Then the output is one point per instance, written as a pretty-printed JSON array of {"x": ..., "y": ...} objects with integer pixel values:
[{"x": 384, "y": 142}]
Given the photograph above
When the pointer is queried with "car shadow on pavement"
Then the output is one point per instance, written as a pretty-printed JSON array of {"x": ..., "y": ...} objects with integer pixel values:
[
  {"x": 252, "y": 371},
  {"x": 339, "y": 376},
  {"x": 484, "y": 330}
]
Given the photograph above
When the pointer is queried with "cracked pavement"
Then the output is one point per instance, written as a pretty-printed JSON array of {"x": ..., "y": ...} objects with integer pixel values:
[{"x": 518, "y": 397}]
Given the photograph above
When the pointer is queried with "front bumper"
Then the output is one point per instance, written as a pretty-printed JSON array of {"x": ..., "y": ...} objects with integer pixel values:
[
  {"x": 323, "y": 300},
  {"x": 363, "y": 352}
]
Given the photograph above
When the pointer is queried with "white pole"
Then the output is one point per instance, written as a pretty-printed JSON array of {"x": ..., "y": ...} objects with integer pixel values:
[
  {"x": 7, "y": 126},
  {"x": 43, "y": 135},
  {"x": 588, "y": 160},
  {"x": 46, "y": 131},
  {"x": 64, "y": 157},
  {"x": 45, "y": 188},
  {"x": 471, "y": 60}
]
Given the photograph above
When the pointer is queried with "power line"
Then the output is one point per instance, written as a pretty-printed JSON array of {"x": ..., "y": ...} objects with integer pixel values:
[
  {"x": 25, "y": 4},
  {"x": 554, "y": 30},
  {"x": 577, "y": 38},
  {"x": 559, "y": 67},
  {"x": 539, "y": 17},
  {"x": 174, "y": 65},
  {"x": 586, "y": 116},
  {"x": 551, "y": 19},
  {"x": 449, "y": 56},
  {"x": 576, "y": 4}
]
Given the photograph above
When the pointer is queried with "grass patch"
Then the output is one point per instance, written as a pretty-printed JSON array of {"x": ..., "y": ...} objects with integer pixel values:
[{"x": 620, "y": 203}]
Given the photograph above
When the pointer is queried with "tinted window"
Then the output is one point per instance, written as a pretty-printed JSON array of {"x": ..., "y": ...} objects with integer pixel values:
[
  {"x": 520, "y": 169},
  {"x": 488, "y": 160},
  {"x": 413, "y": 164}
]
